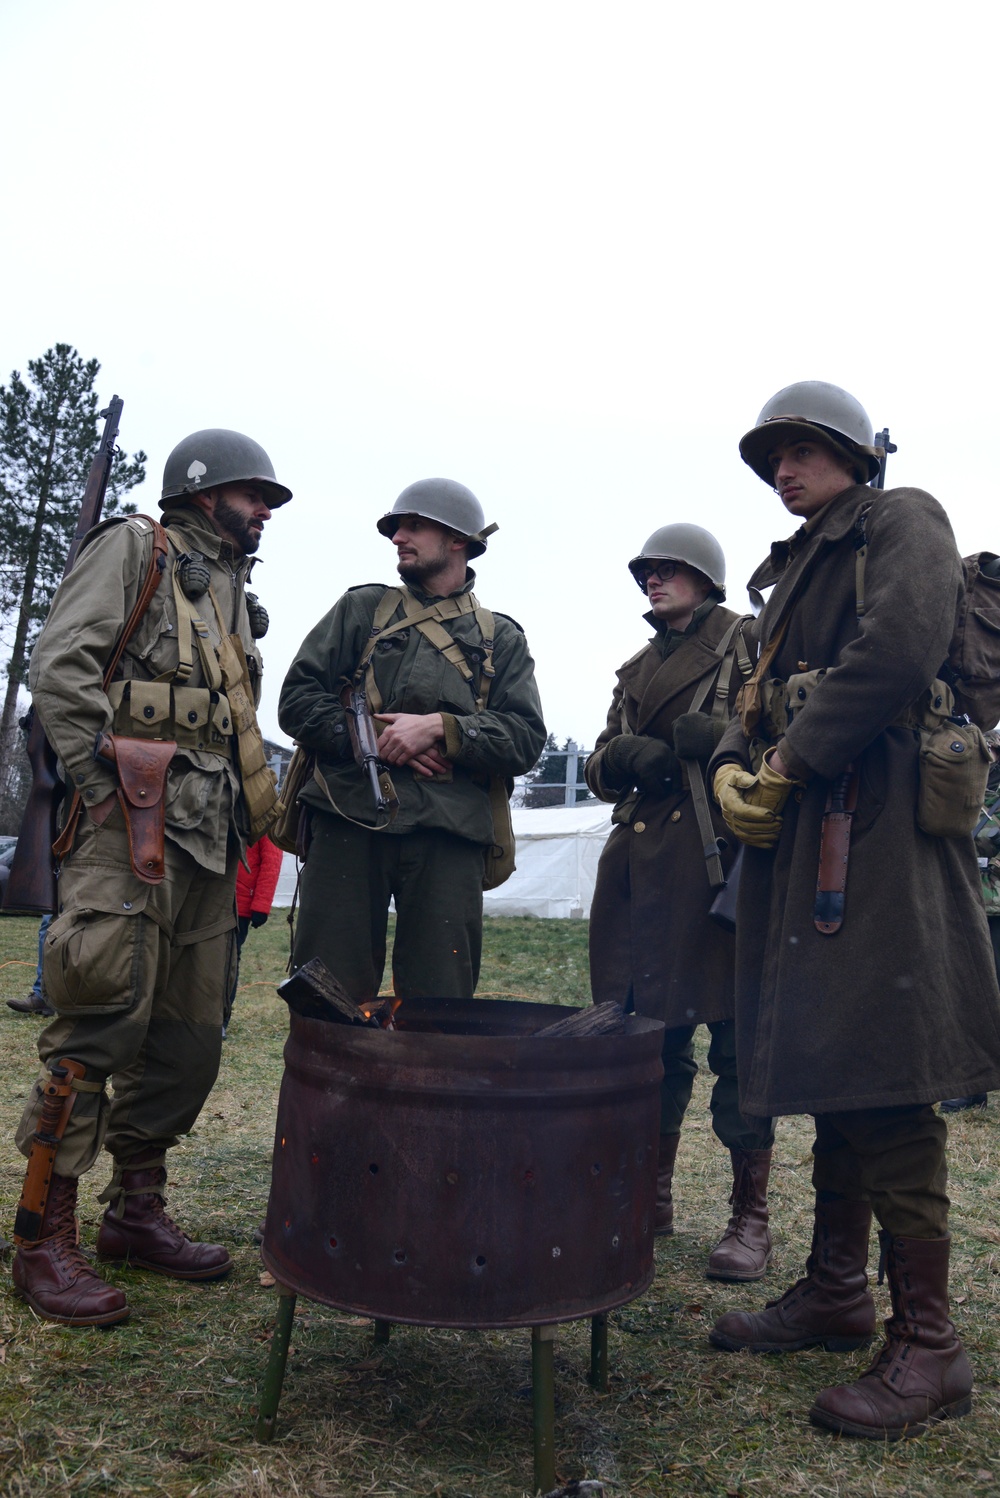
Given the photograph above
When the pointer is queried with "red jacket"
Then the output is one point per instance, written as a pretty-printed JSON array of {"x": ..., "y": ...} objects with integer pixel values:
[{"x": 255, "y": 891}]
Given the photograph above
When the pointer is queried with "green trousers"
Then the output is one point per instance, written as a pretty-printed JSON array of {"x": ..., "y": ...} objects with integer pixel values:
[
  {"x": 679, "y": 1070},
  {"x": 138, "y": 975},
  {"x": 436, "y": 881},
  {"x": 892, "y": 1157}
]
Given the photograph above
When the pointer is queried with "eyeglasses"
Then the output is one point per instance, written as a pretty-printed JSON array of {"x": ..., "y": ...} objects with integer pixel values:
[{"x": 663, "y": 570}]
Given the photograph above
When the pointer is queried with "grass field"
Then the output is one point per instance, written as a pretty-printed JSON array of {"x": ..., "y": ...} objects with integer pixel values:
[{"x": 166, "y": 1403}]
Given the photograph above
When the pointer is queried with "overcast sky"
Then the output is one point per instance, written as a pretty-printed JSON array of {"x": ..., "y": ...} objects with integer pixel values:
[{"x": 562, "y": 252}]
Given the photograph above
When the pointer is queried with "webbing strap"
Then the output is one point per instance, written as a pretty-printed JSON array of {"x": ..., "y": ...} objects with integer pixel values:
[
  {"x": 696, "y": 775},
  {"x": 860, "y": 557},
  {"x": 428, "y": 619}
]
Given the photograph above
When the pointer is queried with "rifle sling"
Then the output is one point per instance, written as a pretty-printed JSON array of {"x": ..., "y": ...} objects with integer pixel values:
[{"x": 695, "y": 771}]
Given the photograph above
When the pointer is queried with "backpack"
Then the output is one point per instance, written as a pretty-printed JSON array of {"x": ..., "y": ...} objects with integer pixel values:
[{"x": 972, "y": 665}]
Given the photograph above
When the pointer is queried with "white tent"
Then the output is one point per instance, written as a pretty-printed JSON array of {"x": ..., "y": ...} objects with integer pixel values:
[{"x": 557, "y": 852}]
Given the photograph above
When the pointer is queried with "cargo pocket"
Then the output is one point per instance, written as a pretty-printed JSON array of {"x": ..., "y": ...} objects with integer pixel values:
[{"x": 93, "y": 959}]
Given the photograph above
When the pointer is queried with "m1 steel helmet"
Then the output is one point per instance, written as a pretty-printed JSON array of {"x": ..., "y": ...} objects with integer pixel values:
[
  {"x": 216, "y": 456},
  {"x": 450, "y": 504},
  {"x": 812, "y": 408},
  {"x": 690, "y": 544}
]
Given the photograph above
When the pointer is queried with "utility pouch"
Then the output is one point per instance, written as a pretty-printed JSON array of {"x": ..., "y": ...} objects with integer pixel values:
[
  {"x": 142, "y": 773},
  {"x": 286, "y": 831},
  {"x": 954, "y": 764},
  {"x": 799, "y": 688}
]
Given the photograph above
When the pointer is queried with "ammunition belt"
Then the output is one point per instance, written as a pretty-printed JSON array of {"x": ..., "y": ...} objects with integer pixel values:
[{"x": 192, "y": 717}]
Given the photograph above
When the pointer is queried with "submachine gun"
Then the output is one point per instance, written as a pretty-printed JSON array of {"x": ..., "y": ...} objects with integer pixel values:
[
  {"x": 364, "y": 742},
  {"x": 31, "y": 887},
  {"x": 723, "y": 907}
]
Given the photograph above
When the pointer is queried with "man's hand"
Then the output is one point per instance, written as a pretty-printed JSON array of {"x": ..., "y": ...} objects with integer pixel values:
[
  {"x": 414, "y": 739},
  {"x": 647, "y": 763},
  {"x": 752, "y": 804},
  {"x": 258, "y": 918}
]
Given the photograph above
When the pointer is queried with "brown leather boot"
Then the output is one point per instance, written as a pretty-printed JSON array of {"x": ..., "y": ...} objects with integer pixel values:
[
  {"x": 663, "y": 1215},
  {"x": 743, "y": 1250},
  {"x": 830, "y": 1307},
  {"x": 145, "y": 1237},
  {"x": 52, "y": 1274},
  {"x": 921, "y": 1373}
]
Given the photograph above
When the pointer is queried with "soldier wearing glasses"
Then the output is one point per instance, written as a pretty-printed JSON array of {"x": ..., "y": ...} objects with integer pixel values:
[{"x": 653, "y": 945}]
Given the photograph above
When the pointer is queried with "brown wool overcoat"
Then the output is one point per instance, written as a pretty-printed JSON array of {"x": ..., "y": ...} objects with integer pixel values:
[
  {"x": 901, "y": 1005},
  {"x": 650, "y": 929}
]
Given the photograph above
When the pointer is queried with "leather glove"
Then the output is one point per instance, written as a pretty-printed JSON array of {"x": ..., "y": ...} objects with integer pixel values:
[
  {"x": 635, "y": 759},
  {"x": 257, "y": 918},
  {"x": 752, "y": 804},
  {"x": 696, "y": 736}
]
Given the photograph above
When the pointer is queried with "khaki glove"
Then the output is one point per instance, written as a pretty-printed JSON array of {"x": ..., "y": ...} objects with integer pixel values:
[{"x": 752, "y": 804}]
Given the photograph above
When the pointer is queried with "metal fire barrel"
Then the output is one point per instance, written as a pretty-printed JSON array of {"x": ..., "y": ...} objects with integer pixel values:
[{"x": 461, "y": 1171}]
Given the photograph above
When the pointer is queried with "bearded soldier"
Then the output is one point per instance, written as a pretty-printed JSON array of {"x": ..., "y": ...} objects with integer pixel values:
[
  {"x": 453, "y": 690},
  {"x": 145, "y": 678},
  {"x": 865, "y": 987},
  {"x": 653, "y": 945}
]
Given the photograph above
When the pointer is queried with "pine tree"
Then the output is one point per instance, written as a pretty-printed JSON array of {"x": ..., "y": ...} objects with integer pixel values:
[{"x": 49, "y": 430}]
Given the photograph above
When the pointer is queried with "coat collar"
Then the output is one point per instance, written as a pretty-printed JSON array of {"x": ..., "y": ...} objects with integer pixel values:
[
  {"x": 467, "y": 586},
  {"x": 832, "y": 523},
  {"x": 686, "y": 665}
]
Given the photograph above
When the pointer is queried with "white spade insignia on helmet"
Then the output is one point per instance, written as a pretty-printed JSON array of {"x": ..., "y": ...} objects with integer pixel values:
[{"x": 196, "y": 470}]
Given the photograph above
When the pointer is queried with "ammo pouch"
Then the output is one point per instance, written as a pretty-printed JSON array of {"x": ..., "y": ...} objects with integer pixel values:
[
  {"x": 142, "y": 766},
  {"x": 194, "y": 717},
  {"x": 954, "y": 763}
]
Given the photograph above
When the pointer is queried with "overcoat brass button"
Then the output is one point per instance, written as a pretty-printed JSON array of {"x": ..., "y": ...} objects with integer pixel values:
[
  {"x": 639, "y": 826},
  {"x": 675, "y": 816}
]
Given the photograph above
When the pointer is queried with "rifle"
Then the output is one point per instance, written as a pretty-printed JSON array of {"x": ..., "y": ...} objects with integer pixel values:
[
  {"x": 31, "y": 887},
  {"x": 723, "y": 908},
  {"x": 364, "y": 742}
]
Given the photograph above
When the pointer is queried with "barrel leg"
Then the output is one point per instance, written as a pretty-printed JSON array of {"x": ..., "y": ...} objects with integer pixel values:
[
  {"x": 382, "y": 1332},
  {"x": 599, "y": 1352},
  {"x": 543, "y": 1396},
  {"x": 275, "y": 1375}
]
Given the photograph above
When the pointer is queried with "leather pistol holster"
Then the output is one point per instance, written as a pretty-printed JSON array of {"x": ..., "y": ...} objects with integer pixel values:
[{"x": 142, "y": 773}]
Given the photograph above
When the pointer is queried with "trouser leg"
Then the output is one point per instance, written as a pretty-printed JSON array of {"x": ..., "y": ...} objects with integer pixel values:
[
  {"x": 438, "y": 888},
  {"x": 735, "y": 1130},
  {"x": 892, "y": 1157},
  {"x": 157, "y": 1098},
  {"x": 135, "y": 1001},
  {"x": 344, "y": 902},
  {"x": 679, "y": 1072}
]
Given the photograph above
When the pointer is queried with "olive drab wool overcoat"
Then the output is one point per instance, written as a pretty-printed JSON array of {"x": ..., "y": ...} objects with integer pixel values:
[
  {"x": 900, "y": 1006},
  {"x": 651, "y": 936}
]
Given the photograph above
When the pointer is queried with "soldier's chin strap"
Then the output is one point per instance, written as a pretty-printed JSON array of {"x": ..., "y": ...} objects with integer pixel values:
[{"x": 65, "y": 1079}]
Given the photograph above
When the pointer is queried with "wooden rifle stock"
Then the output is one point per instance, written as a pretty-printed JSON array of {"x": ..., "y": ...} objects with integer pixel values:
[{"x": 31, "y": 887}]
